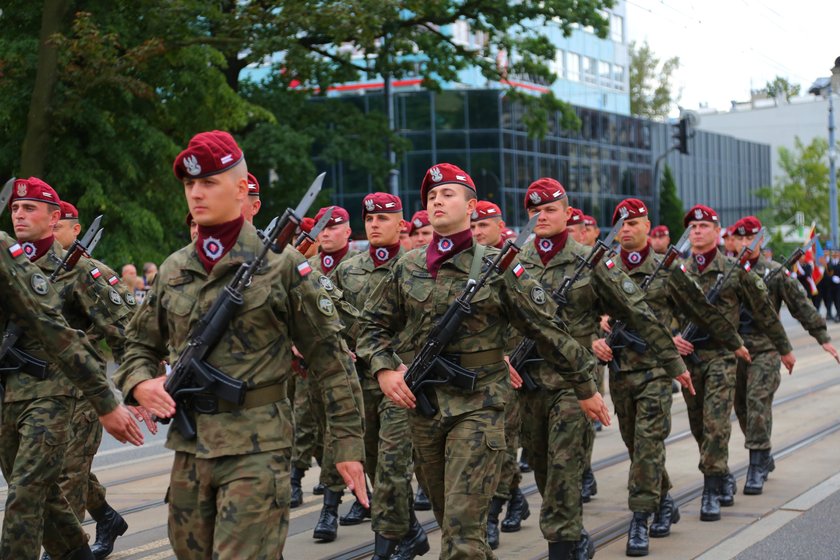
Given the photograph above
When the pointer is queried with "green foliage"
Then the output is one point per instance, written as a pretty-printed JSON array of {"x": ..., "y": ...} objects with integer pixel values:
[
  {"x": 780, "y": 86},
  {"x": 651, "y": 91},
  {"x": 671, "y": 211}
]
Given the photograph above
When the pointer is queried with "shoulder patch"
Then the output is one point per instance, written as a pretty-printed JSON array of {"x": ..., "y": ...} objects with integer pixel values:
[
  {"x": 95, "y": 273},
  {"x": 325, "y": 306},
  {"x": 628, "y": 286},
  {"x": 115, "y": 297},
  {"x": 518, "y": 270},
  {"x": 538, "y": 295},
  {"x": 39, "y": 284},
  {"x": 16, "y": 250},
  {"x": 113, "y": 280},
  {"x": 304, "y": 268},
  {"x": 129, "y": 298},
  {"x": 326, "y": 283}
]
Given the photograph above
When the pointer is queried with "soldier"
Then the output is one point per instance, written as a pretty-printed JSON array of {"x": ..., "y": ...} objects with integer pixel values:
[
  {"x": 387, "y": 439},
  {"x": 730, "y": 246},
  {"x": 576, "y": 227},
  {"x": 713, "y": 367},
  {"x": 229, "y": 488},
  {"x": 640, "y": 386},
  {"x": 37, "y": 412},
  {"x": 421, "y": 229},
  {"x": 80, "y": 486},
  {"x": 458, "y": 452},
  {"x": 405, "y": 236},
  {"x": 660, "y": 239},
  {"x": 756, "y": 383},
  {"x": 592, "y": 230},
  {"x": 252, "y": 203},
  {"x": 487, "y": 224},
  {"x": 558, "y": 438},
  {"x": 334, "y": 239}
]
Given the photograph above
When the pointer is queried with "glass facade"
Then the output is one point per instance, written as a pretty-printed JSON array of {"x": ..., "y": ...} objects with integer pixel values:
[{"x": 610, "y": 158}]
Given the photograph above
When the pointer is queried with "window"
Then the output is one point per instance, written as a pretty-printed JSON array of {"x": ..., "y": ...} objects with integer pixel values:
[
  {"x": 461, "y": 32},
  {"x": 573, "y": 67},
  {"x": 604, "y": 72},
  {"x": 618, "y": 76},
  {"x": 556, "y": 65},
  {"x": 590, "y": 68},
  {"x": 617, "y": 28}
]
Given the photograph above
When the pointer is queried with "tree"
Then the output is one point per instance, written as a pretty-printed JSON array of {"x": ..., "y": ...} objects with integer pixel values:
[
  {"x": 671, "y": 209},
  {"x": 780, "y": 86},
  {"x": 651, "y": 89}
]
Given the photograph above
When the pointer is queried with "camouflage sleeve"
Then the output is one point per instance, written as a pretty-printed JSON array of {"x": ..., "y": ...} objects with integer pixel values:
[
  {"x": 316, "y": 330},
  {"x": 685, "y": 294},
  {"x": 800, "y": 306},
  {"x": 755, "y": 296},
  {"x": 622, "y": 299},
  {"x": 532, "y": 312},
  {"x": 379, "y": 322},
  {"x": 34, "y": 306},
  {"x": 105, "y": 308}
]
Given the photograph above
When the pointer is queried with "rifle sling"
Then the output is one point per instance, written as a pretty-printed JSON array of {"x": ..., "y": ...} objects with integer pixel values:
[
  {"x": 254, "y": 398},
  {"x": 470, "y": 360},
  {"x": 478, "y": 258}
]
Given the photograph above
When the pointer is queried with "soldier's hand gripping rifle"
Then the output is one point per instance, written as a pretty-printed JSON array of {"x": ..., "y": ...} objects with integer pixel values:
[
  {"x": 191, "y": 375},
  {"x": 431, "y": 366},
  {"x": 691, "y": 332},
  {"x": 620, "y": 337},
  {"x": 524, "y": 351}
]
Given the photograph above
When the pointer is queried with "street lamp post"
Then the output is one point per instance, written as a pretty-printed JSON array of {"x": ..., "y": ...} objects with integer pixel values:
[{"x": 832, "y": 172}]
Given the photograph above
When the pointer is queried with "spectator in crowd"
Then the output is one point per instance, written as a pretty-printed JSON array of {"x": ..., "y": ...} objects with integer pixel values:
[{"x": 149, "y": 273}]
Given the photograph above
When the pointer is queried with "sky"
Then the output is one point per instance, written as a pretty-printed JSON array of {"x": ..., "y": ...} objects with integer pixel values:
[{"x": 728, "y": 47}]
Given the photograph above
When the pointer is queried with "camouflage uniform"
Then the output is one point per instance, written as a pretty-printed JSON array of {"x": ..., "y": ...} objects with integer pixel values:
[
  {"x": 387, "y": 438},
  {"x": 308, "y": 440},
  {"x": 559, "y": 436},
  {"x": 36, "y": 414},
  {"x": 458, "y": 453},
  {"x": 756, "y": 383},
  {"x": 641, "y": 388},
  {"x": 714, "y": 377},
  {"x": 229, "y": 489}
]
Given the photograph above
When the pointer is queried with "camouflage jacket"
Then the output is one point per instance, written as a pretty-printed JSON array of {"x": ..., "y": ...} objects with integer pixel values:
[
  {"x": 357, "y": 277},
  {"x": 409, "y": 302},
  {"x": 782, "y": 287},
  {"x": 604, "y": 290},
  {"x": 674, "y": 289},
  {"x": 283, "y": 305},
  {"x": 743, "y": 287},
  {"x": 29, "y": 301}
]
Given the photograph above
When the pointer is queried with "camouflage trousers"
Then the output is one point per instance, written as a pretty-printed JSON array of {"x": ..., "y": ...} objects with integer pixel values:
[
  {"x": 33, "y": 440},
  {"x": 511, "y": 477},
  {"x": 755, "y": 387},
  {"x": 329, "y": 474},
  {"x": 642, "y": 402},
  {"x": 75, "y": 479},
  {"x": 458, "y": 460},
  {"x": 557, "y": 435},
  {"x": 388, "y": 463},
  {"x": 229, "y": 508},
  {"x": 308, "y": 440},
  {"x": 709, "y": 410}
]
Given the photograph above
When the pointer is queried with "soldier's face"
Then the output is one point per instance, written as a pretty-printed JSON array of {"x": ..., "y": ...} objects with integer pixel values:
[
  {"x": 421, "y": 237},
  {"x": 383, "y": 230},
  {"x": 633, "y": 234},
  {"x": 34, "y": 220},
  {"x": 731, "y": 244},
  {"x": 450, "y": 208},
  {"x": 578, "y": 233},
  {"x": 405, "y": 241},
  {"x": 660, "y": 244},
  {"x": 488, "y": 231},
  {"x": 741, "y": 242},
  {"x": 333, "y": 238},
  {"x": 216, "y": 199},
  {"x": 590, "y": 235},
  {"x": 703, "y": 236},
  {"x": 66, "y": 231},
  {"x": 250, "y": 208},
  {"x": 553, "y": 218}
]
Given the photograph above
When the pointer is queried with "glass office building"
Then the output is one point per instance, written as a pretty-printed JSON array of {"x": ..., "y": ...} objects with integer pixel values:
[{"x": 610, "y": 158}]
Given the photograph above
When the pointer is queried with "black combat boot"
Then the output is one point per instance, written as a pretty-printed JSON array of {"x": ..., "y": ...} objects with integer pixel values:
[
  {"x": 318, "y": 489},
  {"x": 637, "y": 537},
  {"x": 358, "y": 513},
  {"x": 421, "y": 500},
  {"x": 297, "y": 491},
  {"x": 561, "y": 550},
  {"x": 727, "y": 490},
  {"x": 589, "y": 487},
  {"x": 46, "y": 556},
  {"x": 82, "y": 553},
  {"x": 414, "y": 543},
  {"x": 761, "y": 465},
  {"x": 327, "y": 527},
  {"x": 383, "y": 548},
  {"x": 585, "y": 549},
  {"x": 517, "y": 511},
  {"x": 493, "y": 522},
  {"x": 668, "y": 513},
  {"x": 710, "y": 504},
  {"x": 109, "y": 526}
]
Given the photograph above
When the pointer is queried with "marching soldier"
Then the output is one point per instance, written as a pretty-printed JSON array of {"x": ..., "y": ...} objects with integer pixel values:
[
  {"x": 576, "y": 227},
  {"x": 660, "y": 239},
  {"x": 252, "y": 203},
  {"x": 333, "y": 241},
  {"x": 487, "y": 224},
  {"x": 459, "y": 451},
  {"x": 405, "y": 236},
  {"x": 229, "y": 488},
  {"x": 640, "y": 385},
  {"x": 421, "y": 229},
  {"x": 730, "y": 246},
  {"x": 756, "y": 383},
  {"x": 592, "y": 231},
  {"x": 713, "y": 367}
]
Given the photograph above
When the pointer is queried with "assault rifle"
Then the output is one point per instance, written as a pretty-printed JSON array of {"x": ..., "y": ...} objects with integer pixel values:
[
  {"x": 523, "y": 353},
  {"x": 307, "y": 238},
  {"x": 691, "y": 332},
  {"x": 620, "y": 337},
  {"x": 792, "y": 259},
  {"x": 430, "y": 366},
  {"x": 191, "y": 375}
]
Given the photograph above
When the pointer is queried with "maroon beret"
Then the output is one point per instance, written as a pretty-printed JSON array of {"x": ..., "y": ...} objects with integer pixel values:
[
  {"x": 508, "y": 233},
  {"x": 339, "y": 215},
  {"x": 253, "y": 185},
  {"x": 542, "y": 191},
  {"x": 576, "y": 218},
  {"x": 34, "y": 189},
  {"x": 444, "y": 174},
  {"x": 68, "y": 211},
  {"x": 419, "y": 219},
  {"x": 486, "y": 209},
  {"x": 381, "y": 203},
  {"x": 635, "y": 209},
  {"x": 307, "y": 224},
  {"x": 749, "y": 225},
  {"x": 589, "y": 221},
  {"x": 660, "y": 231},
  {"x": 700, "y": 213},
  {"x": 208, "y": 153}
]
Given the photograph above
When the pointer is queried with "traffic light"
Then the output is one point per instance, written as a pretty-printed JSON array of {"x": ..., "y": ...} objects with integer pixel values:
[{"x": 681, "y": 135}]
